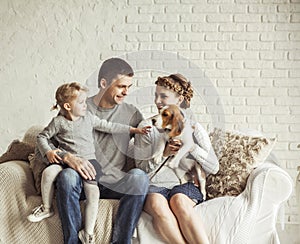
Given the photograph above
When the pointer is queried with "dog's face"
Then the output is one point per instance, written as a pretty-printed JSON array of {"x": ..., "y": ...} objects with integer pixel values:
[{"x": 170, "y": 118}]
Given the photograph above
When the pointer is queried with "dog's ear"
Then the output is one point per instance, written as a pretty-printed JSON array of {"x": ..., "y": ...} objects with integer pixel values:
[
  {"x": 177, "y": 123},
  {"x": 167, "y": 117}
]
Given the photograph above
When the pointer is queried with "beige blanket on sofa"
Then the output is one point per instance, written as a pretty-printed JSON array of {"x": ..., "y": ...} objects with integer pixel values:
[
  {"x": 250, "y": 217},
  {"x": 18, "y": 198}
]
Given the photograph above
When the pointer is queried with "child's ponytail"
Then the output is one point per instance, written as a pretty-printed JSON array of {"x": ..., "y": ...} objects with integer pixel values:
[{"x": 54, "y": 107}]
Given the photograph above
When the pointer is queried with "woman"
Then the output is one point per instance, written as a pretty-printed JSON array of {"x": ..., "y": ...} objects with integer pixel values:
[{"x": 170, "y": 203}]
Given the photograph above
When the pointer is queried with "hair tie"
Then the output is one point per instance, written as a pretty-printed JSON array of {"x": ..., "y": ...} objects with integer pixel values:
[{"x": 54, "y": 107}]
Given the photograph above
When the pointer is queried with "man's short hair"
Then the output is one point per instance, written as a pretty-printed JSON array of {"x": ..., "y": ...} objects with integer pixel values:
[{"x": 112, "y": 67}]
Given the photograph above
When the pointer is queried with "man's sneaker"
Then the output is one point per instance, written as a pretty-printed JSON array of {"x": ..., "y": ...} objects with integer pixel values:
[
  {"x": 39, "y": 213},
  {"x": 86, "y": 238}
]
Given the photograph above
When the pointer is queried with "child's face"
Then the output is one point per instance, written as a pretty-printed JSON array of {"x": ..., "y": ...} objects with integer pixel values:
[{"x": 78, "y": 105}]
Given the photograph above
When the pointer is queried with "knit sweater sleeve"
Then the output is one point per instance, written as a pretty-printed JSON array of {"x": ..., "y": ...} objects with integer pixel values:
[
  {"x": 44, "y": 137},
  {"x": 203, "y": 151},
  {"x": 109, "y": 127}
]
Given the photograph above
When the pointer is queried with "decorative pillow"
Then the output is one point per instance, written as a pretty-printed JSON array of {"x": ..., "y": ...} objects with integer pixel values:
[
  {"x": 17, "y": 150},
  {"x": 31, "y": 134},
  {"x": 238, "y": 155}
]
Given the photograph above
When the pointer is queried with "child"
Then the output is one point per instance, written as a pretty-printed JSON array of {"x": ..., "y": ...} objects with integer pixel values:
[{"x": 72, "y": 129}]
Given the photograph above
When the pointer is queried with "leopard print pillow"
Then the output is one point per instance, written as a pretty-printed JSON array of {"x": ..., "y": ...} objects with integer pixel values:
[{"x": 238, "y": 155}]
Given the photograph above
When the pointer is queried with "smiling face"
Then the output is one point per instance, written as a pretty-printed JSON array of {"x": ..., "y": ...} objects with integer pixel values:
[
  {"x": 165, "y": 96},
  {"x": 116, "y": 92}
]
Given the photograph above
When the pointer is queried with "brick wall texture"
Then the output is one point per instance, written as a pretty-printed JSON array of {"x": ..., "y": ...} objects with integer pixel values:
[{"x": 242, "y": 57}]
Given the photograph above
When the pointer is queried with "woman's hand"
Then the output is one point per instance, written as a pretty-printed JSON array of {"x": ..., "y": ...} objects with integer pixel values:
[
  {"x": 81, "y": 165},
  {"x": 172, "y": 147}
]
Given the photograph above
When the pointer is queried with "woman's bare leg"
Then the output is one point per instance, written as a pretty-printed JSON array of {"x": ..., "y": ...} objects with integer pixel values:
[
  {"x": 190, "y": 224},
  {"x": 164, "y": 221}
]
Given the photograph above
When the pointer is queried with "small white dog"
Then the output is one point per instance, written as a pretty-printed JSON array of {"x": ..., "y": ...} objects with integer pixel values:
[{"x": 172, "y": 123}]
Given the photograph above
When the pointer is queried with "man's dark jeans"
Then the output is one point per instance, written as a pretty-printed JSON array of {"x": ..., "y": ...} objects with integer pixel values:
[{"x": 69, "y": 193}]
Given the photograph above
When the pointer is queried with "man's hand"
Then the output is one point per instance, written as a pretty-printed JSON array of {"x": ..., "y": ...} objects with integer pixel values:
[
  {"x": 53, "y": 157},
  {"x": 172, "y": 147},
  {"x": 81, "y": 165}
]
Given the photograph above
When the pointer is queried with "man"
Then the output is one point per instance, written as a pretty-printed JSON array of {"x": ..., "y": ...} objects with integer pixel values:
[{"x": 114, "y": 81}]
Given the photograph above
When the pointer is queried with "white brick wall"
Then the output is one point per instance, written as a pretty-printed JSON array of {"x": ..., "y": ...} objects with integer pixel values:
[{"x": 248, "y": 50}]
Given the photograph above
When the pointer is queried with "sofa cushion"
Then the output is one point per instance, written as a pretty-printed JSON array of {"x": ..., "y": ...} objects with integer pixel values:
[
  {"x": 17, "y": 150},
  {"x": 238, "y": 155},
  {"x": 31, "y": 134}
]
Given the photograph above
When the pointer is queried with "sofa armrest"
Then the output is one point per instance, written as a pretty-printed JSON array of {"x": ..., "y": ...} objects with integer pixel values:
[
  {"x": 19, "y": 197},
  {"x": 16, "y": 176},
  {"x": 277, "y": 184},
  {"x": 251, "y": 216},
  {"x": 16, "y": 184},
  {"x": 267, "y": 188}
]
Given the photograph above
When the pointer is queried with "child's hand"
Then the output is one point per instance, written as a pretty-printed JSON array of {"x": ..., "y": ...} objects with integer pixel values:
[
  {"x": 53, "y": 157},
  {"x": 145, "y": 130}
]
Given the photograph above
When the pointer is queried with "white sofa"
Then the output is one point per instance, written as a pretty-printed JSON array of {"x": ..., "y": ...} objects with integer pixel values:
[{"x": 248, "y": 218}]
